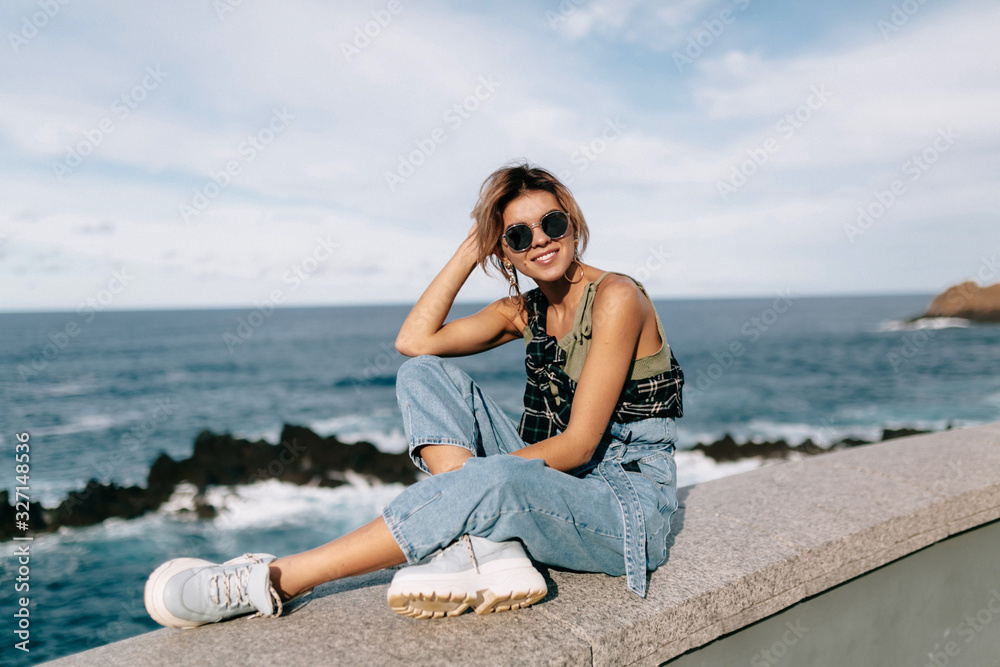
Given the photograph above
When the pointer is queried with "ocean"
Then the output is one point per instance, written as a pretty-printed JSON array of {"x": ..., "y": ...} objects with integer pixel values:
[{"x": 102, "y": 394}]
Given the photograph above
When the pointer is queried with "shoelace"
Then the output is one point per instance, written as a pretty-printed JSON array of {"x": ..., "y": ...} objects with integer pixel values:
[
  {"x": 222, "y": 585},
  {"x": 472, "y": 554},
  {"x": 454, "y": 545},
  {"x": 277, "y": 602}
]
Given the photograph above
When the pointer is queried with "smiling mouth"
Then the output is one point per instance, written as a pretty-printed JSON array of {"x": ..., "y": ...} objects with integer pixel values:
[{"x": 547, "y": 257}]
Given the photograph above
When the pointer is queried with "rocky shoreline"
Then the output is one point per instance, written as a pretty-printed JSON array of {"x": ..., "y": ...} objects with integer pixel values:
[
  {"x": 300, "y": 457},
  {"x": 726, "y": 449}
]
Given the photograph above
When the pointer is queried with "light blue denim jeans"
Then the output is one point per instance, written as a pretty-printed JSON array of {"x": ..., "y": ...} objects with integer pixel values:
[{"x": 611, "y": 515}]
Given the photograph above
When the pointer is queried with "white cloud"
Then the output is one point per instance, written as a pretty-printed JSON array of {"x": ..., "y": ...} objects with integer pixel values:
[
  {"x": 656, "y": 25},
  {"x": 655, "y": 182}
]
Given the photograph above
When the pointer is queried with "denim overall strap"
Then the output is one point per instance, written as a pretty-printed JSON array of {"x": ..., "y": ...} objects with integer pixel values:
[{"x": 612, "y": 472}]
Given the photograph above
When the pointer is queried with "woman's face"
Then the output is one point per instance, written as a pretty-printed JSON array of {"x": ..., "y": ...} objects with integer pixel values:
[{"x": 546, "y": 260}]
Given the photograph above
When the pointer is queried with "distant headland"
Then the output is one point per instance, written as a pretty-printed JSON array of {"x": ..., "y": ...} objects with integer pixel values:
[{"x": 968, "y": 301}]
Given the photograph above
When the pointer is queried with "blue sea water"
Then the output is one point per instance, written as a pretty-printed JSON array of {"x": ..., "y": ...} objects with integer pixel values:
[{"x": 104, "y": 402}]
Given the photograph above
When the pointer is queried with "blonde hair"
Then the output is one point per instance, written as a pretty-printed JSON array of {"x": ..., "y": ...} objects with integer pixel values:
[{"x": 501, "y": 188}]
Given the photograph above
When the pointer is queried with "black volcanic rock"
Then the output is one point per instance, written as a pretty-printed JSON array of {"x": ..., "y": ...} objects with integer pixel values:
[
  {"x": 97, "y": 502},
  {"x": 8, "y": 516},
  {"x": 726, "y": 449},
  {"x": 302, "y": 457},
  {"x": 889, "y": 433}
]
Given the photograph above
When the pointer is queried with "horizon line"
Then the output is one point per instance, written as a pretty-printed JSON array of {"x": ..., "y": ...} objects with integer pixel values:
[{"x": 376, "y": 304}]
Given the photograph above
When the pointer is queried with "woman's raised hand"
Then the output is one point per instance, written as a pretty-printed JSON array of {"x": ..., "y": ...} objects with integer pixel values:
[
  {"x": 470, "y": 246},
  {"x": 424, "y": 331}
]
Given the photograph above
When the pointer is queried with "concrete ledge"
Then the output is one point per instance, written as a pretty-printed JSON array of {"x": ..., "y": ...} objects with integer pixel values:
[{"x": 745, "y": 547}]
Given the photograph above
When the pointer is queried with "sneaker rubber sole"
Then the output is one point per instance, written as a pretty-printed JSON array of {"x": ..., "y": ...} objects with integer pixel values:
[
  {"x": 155, "y": 585},
  {"x": 501, "y": 588}
]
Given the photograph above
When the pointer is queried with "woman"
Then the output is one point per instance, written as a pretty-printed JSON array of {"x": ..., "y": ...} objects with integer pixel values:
[{"x": 586, "y": 480}]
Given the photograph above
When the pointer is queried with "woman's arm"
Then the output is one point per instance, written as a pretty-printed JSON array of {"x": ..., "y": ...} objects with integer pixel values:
[
  {"x": 424, "y": 330},
  {"x": 618, "y": 316}
]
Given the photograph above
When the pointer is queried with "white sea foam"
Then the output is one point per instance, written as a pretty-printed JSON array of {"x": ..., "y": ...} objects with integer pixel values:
[
  {"x": 762, "y": 430},
  {"x": 382, "y": 430},
  {"x": 795, "y": 433},
  {"x": 992, "y": 399},
  {"x": 270, "y": 435},
  {"x": 694, "y": 467},
  {"x": 924, "y": 323},
  {"x": 71, "y": 388},
  {"x": 765, "y": 430},
  {"x": 182, "y": 499},
  {"x": 84, "y": 424},
  {"x": 274, "y": 503}
]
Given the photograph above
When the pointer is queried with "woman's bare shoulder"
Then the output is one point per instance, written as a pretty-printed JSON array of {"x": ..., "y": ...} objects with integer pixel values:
[
  {"x": 618, "y": 289},
  {"x": 514, "y": 312}
]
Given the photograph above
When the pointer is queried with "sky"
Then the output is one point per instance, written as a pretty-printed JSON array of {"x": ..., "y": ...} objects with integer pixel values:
[{"x": 256, "y": 153}]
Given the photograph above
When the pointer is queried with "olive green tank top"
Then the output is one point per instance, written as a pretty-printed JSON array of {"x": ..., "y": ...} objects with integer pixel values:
[{"x": 576, "y": 342}]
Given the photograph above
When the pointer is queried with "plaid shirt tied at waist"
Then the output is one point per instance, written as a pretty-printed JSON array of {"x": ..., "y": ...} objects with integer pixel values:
[{"x": 548, "y": 395}]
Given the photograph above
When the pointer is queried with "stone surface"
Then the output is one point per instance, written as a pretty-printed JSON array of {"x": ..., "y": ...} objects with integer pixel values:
[{"x": 745, "y": 547}]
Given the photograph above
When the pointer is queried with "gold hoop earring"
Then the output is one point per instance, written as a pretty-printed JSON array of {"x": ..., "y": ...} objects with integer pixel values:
[{"x": 583, "y": 273}]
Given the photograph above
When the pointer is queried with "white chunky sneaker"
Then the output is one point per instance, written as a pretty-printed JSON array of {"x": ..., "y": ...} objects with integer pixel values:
[
  {"x": 188, "y": 592},
  {"x": 471, "y": 572}
]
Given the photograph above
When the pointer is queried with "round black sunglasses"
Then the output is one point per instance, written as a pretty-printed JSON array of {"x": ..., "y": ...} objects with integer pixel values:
[{"x": 554, "y": 225}]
